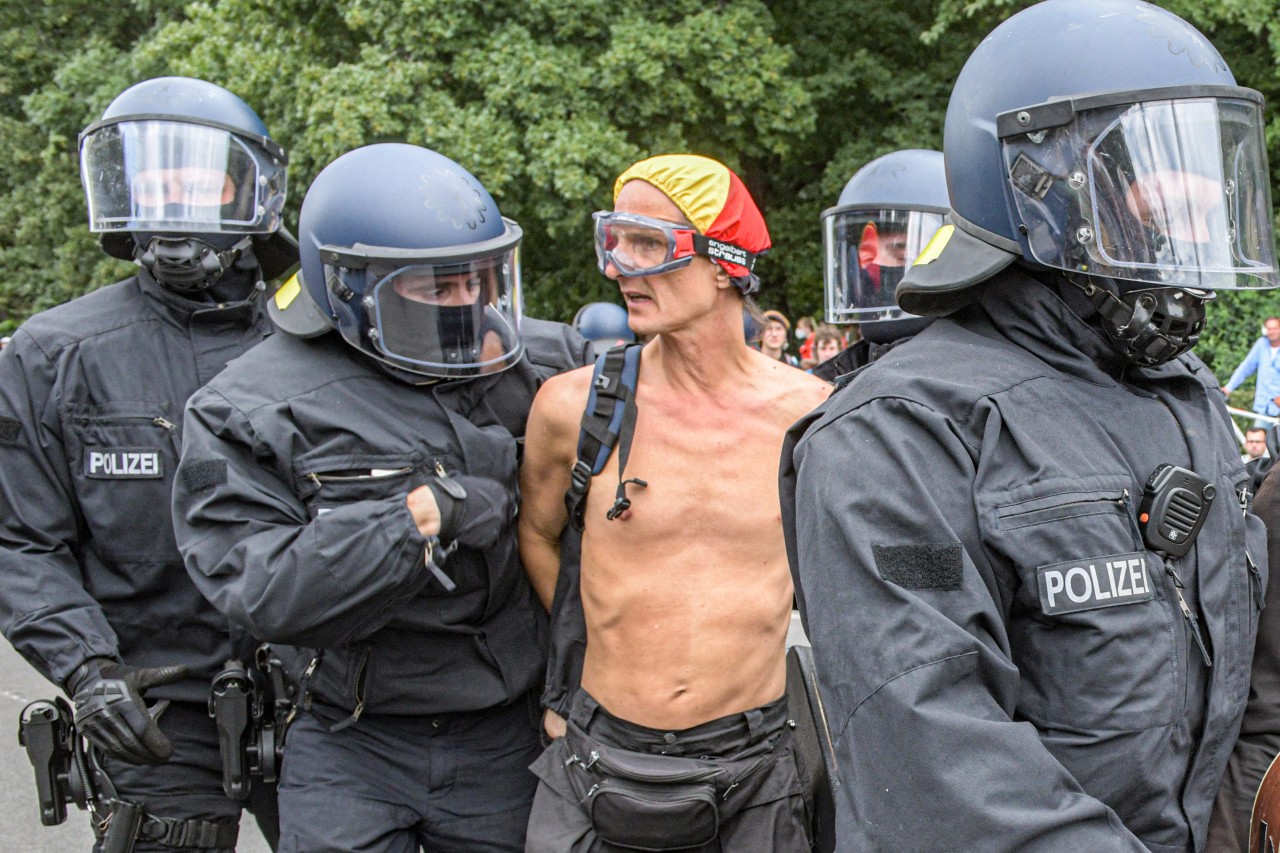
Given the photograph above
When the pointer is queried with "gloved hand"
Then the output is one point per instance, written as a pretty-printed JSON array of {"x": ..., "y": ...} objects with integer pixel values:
[
  {"x": 111, "y": 713},
  {"x": 475, "y": 514}
]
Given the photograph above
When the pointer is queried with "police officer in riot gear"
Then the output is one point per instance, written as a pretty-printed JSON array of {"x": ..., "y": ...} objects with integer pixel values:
[
  {"x": 1060, "y": 662},
  {"x": 886, "y": 214},
  {"x": 358, "y": 498},
  {"x": 181, "y": 176}
]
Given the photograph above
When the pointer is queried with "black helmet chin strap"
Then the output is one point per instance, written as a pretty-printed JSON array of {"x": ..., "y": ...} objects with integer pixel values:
[
  {"x": 188, "y": 265},
  {"x": 1148, "y": 326}
]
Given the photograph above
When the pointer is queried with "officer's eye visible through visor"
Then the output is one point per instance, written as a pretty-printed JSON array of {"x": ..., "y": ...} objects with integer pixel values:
[
  {"x": 1173, "y": 192},
  {"x": 176, "y": 176}
]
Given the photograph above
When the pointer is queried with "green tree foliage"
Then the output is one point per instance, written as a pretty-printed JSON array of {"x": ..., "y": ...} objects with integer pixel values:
[{"x": 544, "y": 100}]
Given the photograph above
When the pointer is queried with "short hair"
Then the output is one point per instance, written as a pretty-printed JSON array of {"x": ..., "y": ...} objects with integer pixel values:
[
  {"x": 826, "y": 333},
  {"x": 1253, "y": 430},
  {"x": 1269, "y": 319}
]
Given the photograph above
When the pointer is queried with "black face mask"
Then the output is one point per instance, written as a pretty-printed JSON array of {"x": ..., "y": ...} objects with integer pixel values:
[
  {"x": 434, "y": 334},
  {"x": 890, "y": 277},
  {"x": 1148, "y": 326},
  {"x": 187, "y": 263}
]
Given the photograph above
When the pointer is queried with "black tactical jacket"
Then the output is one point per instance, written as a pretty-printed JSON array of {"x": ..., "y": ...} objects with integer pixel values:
[
  {"x": 291, "y": 514},
  {"x": 91, "y": 397},
  {"x": 1004, "y": 664}
]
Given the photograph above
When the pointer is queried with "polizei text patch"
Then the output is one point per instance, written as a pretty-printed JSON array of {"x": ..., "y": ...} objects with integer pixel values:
[
  {"x": 123, "y": 463},
  {"x": 1093, "y": 582}
]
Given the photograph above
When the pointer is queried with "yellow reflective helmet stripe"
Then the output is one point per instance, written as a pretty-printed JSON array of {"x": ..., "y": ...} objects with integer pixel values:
[
  {"x": 288, "y": 292},
  {"x": 935, "y": 245}
]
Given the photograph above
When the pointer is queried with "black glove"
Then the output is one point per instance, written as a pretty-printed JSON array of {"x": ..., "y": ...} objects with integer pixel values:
[
  {"x": 110, "y": 711},
  {"x": 473, "y": 510}
]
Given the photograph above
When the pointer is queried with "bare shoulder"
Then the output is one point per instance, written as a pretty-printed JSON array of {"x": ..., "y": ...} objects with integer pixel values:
[
  {"x": 557, "y": 410},
  {"x": 795, "y": 392}
]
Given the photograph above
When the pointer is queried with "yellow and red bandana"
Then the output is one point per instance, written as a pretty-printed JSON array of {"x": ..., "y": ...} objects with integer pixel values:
[{"x": 710, "y": 196}]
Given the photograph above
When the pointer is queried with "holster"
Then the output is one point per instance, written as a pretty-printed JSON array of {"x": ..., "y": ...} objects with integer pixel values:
[
  {"x": 251, "y": 708},
  {"x": 68, "y": 771}
]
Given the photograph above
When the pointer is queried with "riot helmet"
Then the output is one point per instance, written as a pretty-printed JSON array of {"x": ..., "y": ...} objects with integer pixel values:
[
  {"x": 604, "y": 324},
  {"x": 180, "y": 175},
  {"x": 1106, "y": 140},
  {"x": 405, "y": 253},
  {"x": 883, "y": 219}
]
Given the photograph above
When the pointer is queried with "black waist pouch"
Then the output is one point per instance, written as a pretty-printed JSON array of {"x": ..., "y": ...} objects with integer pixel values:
[{"x": 638, "y": 801}]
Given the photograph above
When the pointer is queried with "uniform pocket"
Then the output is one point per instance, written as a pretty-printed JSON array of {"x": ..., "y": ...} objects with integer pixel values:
[
  {"x": 122, "y": 457},
  {"x": 325, "y": 483},
  {"x": 1091, "y": 627}
]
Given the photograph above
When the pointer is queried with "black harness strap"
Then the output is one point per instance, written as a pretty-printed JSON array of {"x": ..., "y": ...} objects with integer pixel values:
[
  {"x": 621, "y": 503},
  {"x": 610, "y": 414}
]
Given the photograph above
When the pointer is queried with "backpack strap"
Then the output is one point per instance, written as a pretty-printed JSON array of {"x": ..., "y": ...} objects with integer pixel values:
[{"x": 610, "y": 414}]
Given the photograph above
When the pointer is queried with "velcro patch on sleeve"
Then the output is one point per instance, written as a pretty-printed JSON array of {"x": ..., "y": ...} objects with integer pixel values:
[
  {"x": 937, "y": 567},
  {"x": 10, "y": 429},
  {"x": 203, "y": 474}
]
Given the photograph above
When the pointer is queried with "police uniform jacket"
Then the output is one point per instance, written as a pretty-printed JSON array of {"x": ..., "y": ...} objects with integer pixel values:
[
  {"x": 291, "y": 515},
  {"x": 1004, "y": 664},
  {"x": 91, "y": 397}
]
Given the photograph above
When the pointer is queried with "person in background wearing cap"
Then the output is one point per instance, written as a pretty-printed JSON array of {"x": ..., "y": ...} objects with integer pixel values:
[
  {"x": 686, "y": 593},
  {"x": 1033, "y": 594},
  {"x": 773, "y": 338},
  {"x": 180, "y": 176}
]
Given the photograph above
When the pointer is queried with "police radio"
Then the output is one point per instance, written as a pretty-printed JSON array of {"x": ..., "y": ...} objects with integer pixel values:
[{"x": 1175, "y": 503}]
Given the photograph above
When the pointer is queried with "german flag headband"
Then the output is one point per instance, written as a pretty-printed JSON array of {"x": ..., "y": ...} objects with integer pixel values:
[{"x": 713, "y": 199}]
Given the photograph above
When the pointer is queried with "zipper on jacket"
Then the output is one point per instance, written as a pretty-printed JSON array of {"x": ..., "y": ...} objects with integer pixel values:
[
  {"x": 1255, "y": 580},
  {"x": 1192, "y": 621},
  {"x": 320, "y": 478},
  {"x": 360, "y": 685},
  {"x": 1106, "y": 499},
  {"x": 1127, "y": 503}
]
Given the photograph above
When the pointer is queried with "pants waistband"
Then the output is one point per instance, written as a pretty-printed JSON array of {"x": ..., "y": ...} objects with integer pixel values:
[{"x": 720, "y": 737}]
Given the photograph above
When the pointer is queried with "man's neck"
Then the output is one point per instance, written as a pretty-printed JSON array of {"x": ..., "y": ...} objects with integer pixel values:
[{"x": 704, "y": 356}]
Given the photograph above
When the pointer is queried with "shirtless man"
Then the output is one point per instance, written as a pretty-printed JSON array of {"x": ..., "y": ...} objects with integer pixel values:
[{"x": 687, "y": 595}]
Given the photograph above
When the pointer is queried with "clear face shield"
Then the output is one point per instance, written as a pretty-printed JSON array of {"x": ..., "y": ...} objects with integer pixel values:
[
  {"x": 1164, "y": 192},
  {"x": 172, "y": 176},
  {"x": 445, "y": 319},
  {"x": 867, "y": 252}
]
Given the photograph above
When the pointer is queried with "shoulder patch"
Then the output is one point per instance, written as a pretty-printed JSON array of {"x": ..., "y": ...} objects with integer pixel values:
[
  {"x": 123, "y": 463},
  {"x": 203, "y": 474},
  {"x": 10, "y": 429},
  {"x": 1093, "y": 582},
  {"x": 936, "y": 567}
]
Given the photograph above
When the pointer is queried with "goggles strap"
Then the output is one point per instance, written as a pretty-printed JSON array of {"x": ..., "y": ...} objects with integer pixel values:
[{"x": 722, "y": 251}]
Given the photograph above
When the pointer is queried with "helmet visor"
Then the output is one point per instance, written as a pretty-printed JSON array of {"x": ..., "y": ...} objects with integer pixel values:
[
  {"x": 1167, "y": 193},
  {"x": 867, "y": 252},
  {"x": 174, "y": 176},
  {"x": 445, "y": 320}
]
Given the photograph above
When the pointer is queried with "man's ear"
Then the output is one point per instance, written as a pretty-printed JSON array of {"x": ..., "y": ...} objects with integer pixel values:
[
  {"x": 722, "y": 278},
  {"x": 868, "y": 245}
]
